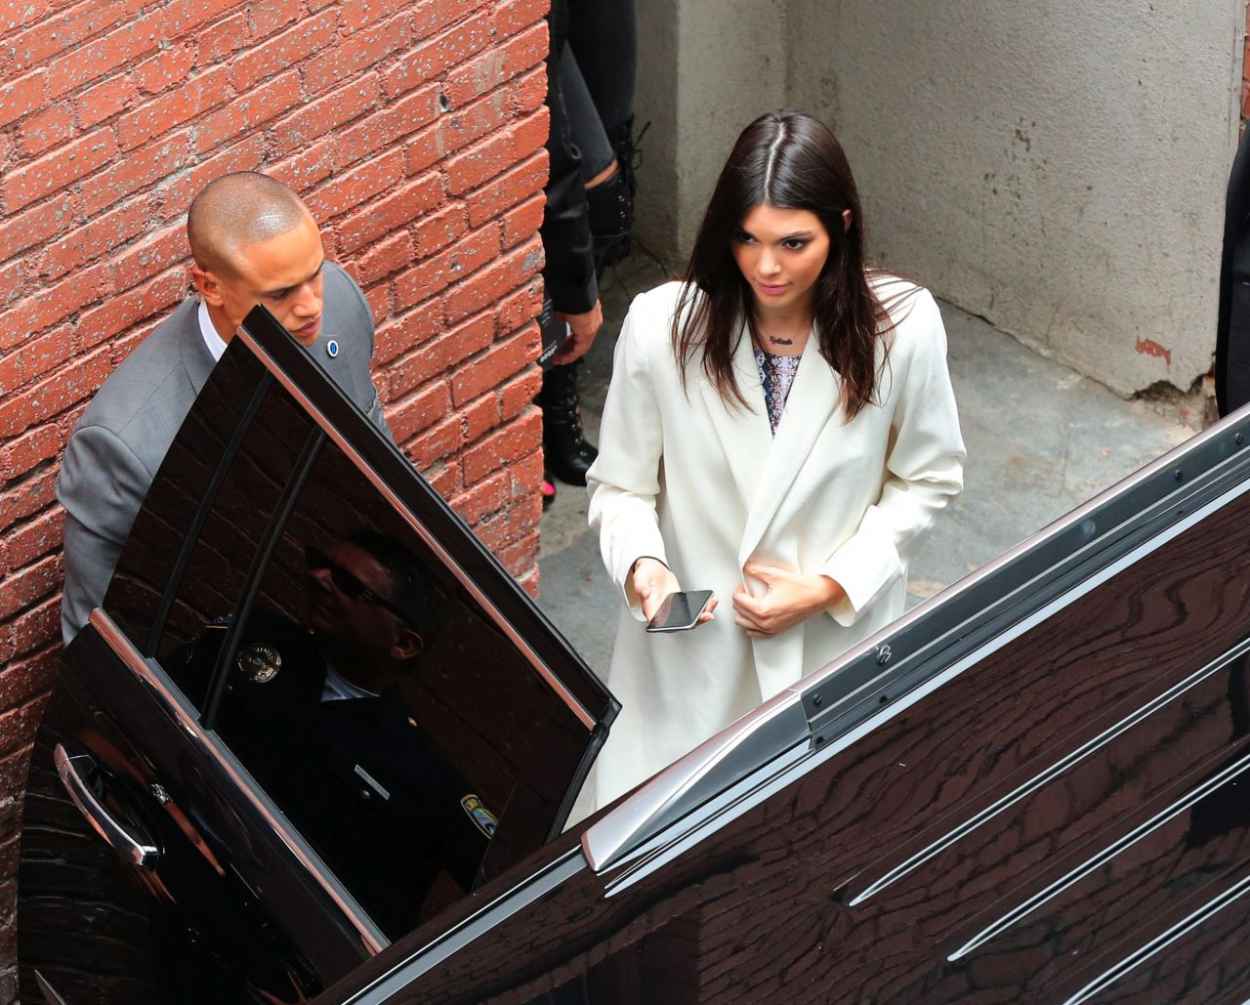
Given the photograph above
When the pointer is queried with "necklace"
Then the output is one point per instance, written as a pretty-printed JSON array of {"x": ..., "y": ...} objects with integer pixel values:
[{"x": 778, "y": 342}]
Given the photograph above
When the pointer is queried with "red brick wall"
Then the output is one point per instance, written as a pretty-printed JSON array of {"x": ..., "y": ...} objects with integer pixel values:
[
  {"x": 413, "y": 128},
  {"x": 1245, "y": 72}
]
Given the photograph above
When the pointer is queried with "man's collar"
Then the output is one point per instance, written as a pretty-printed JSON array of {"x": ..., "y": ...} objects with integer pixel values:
[{"x": 216, "y": 346}]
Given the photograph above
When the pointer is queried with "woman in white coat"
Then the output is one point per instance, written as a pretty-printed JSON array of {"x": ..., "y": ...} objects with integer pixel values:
[{"x": 779, "y": 428}]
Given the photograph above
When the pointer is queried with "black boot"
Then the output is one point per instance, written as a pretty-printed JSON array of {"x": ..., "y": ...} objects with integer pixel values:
[
  {"x": 612, "y": 203},
  {"x": 611, "y": 213},
  {"x": 568, "y": 455},
  {"x": 627, "y": 148}
]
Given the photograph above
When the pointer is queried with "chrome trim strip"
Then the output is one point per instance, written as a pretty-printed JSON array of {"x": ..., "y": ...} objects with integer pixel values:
[
  {"x": 111, "y": 832},
  {"x": 370, "y": 935},
  {"x": 499, "y": 910},
  {"x": 608, "y": 839},
  {"x": 1048, "y": 774},
  {"x": 705, "y": 821},
  {"x": 612, "y": 834},
  {"x": 50, "y": 994},
  {"x": 1057, "y": 604},
  {"x": 1100, "y": 859},
  {"x": 419, "y": 528},
  {"x": 1064, "y": 523},
  {"x": 1160, "y": 942}
]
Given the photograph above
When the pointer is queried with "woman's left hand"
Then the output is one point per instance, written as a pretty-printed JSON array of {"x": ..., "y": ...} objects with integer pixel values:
[{"x": 791, "y": 597}]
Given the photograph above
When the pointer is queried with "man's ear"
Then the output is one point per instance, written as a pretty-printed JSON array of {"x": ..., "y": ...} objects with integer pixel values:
[
  {"x": 408, "y": 645},
  {"x": 207, "y": 286},
  {"x": 846, "y": 221}
]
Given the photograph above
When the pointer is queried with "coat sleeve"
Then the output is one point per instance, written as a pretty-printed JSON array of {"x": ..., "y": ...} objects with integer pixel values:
[
  {"x": 624, "y": 481},
  {"x": 102, "y": 484},
  {"x": 374, "y": 411},
  {"x": 373, "y": 406},
  {"x": 924, "y": 465}
]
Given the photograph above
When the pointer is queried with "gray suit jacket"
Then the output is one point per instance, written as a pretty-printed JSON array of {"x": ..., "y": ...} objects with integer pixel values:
[{"x": 121, "y": 439}]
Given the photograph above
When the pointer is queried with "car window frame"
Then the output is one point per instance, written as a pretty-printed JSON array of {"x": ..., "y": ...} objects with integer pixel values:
[
  {"x": 283, "y": 367},
  {"x": 503, "y": 600}
]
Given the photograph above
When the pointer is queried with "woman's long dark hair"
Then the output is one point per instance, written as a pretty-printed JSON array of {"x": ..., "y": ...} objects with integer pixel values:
[{"x": 788, "y": 160}]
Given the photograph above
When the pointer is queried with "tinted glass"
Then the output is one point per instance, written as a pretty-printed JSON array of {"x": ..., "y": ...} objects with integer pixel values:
[
  {"x": 410, "y": 740},
  {"x": 247, "y": 495},
  {"x": 228, "y": 468},
  {"x": 230, "y": 479}
]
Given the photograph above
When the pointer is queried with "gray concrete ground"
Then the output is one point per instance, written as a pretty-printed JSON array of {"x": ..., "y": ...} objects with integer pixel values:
[{"x": 1041, "y": 440}]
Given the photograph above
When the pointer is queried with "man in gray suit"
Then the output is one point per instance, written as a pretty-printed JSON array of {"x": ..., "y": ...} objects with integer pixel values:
[{"x": 253, "y": 241}]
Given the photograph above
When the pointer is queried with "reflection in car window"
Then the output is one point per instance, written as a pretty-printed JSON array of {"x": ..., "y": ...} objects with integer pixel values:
[
  {"x": 407, "y": 738},
  {"x": 316, "y": 708},
  {"x": 248, "y": 493},
  {"x": 412, "y": 735}
]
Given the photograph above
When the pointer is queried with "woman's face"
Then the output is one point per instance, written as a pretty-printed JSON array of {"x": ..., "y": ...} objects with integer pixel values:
[{"x": 781, "y": 253}]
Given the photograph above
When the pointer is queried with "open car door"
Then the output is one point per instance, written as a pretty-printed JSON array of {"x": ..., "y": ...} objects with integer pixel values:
[
  {"x": 1034, "y": 787},
  {"x": 297, "y": 760}
]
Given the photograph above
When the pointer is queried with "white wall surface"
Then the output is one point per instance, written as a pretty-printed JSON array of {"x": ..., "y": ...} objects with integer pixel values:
[
  {"x": 706, "y": 69},
  {"x": 1057, "y": 167}
]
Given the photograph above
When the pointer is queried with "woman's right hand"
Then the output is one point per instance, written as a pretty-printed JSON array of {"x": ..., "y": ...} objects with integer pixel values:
[{"x": 650, "y": 580}]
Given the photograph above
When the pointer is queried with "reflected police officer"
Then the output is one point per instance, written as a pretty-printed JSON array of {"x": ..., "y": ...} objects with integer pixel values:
[{"x": 316, "y": 710}]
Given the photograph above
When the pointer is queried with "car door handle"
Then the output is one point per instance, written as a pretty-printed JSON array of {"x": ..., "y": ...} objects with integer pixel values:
[{"x": 137, "y": 853}]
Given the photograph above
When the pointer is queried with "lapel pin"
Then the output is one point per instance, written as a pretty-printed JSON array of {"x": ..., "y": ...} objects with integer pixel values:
[{"x": 332, "y": 348}]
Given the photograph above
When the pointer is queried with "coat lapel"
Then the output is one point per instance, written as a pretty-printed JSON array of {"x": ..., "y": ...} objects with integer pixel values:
[
  {"x": 814, "y": 397},
  {"x": 743, "y": 433}
]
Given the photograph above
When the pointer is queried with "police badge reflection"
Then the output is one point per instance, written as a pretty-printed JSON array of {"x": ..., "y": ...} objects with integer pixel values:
[{"x": 314, "y": 710}]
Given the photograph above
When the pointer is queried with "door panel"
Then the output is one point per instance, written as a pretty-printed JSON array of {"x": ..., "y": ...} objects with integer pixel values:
[
  {"x": 290, "y": 773},
  {"x": 1059, "y": 814},
  {"x": 245, "y": 898}
]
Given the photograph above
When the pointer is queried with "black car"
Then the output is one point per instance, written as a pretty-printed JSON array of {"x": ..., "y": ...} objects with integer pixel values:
[{"x": 1033, "y": 787}]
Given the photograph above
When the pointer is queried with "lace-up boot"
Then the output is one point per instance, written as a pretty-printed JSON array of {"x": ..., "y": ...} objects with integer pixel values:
[{"x": 568, "y": 455}]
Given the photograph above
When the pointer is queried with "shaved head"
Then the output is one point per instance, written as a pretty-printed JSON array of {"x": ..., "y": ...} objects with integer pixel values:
[{"x": 236, "y": 211}]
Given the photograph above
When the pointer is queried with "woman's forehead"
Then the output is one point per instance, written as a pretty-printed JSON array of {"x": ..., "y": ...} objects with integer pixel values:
[{"x": 772, "y": 222}]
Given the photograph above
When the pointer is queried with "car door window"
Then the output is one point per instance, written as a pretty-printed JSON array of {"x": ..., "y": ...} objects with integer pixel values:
[
  {"x": 388, "y": 687},
  {"x": 205, "y": 520},
  {"x": 392, "y": 722}
]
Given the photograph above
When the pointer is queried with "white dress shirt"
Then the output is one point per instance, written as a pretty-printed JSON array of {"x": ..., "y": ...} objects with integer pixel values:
[{"x": 211, "y": 339}]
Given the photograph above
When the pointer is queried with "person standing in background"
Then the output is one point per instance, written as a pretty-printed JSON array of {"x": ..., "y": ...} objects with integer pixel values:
[{"x": 591, "y": 70}]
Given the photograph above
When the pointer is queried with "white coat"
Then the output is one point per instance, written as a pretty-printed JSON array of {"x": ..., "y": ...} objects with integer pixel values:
[{"x": 707, "y": 488}]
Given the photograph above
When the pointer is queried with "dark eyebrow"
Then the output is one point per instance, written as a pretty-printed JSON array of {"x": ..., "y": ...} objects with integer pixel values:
[
  {"x": 799, "y": 235},
  {"x": 282, "y": 291}
]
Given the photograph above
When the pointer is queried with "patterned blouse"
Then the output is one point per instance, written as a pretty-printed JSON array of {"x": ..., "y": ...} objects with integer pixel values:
[{"x": 777, "y": 374}]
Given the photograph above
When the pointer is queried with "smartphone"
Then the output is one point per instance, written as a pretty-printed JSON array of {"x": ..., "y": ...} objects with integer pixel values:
[{"x": 680, "y": 611}]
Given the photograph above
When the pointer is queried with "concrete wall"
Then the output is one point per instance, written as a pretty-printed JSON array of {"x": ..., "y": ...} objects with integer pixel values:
[
  {"x": 1057, "y": 167},
  {"x": 707, "y": 67}
]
